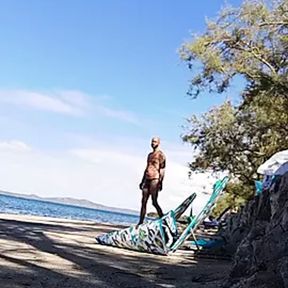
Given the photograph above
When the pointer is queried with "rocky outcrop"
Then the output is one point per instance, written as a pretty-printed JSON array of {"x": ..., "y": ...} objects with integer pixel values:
[{"x": 258, "y": 238}]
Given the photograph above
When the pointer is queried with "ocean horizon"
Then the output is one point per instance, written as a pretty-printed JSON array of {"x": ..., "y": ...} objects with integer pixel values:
[{"x": 34, "y": 207}]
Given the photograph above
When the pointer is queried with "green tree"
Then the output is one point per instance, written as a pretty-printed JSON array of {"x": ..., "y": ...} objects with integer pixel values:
[{"x": 250, "y": 42}]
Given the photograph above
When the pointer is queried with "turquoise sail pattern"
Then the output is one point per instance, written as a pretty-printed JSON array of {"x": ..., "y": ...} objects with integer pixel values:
[
  {"x": 155, "y": 237},
  {"x": 161, "y": 236}
]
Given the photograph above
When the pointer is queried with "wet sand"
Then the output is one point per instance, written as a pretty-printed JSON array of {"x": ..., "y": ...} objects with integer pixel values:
[{"x": 48, "y": 252}]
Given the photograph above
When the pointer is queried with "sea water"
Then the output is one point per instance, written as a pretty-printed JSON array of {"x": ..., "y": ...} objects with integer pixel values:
[{"x": 24, "y": 206}]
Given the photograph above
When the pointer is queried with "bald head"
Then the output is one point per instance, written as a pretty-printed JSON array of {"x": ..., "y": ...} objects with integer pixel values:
[{"x": 155, "y": 142}]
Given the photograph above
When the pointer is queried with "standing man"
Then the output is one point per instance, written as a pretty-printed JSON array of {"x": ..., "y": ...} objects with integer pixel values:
[{"x": 152, "y": 179}]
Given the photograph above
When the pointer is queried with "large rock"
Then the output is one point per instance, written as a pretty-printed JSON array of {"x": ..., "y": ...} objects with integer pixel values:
[{"x": 258, "y": 235}]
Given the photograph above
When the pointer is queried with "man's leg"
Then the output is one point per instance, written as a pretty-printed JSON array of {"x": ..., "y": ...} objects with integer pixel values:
[
  {"x": 145, "y": 196},
  {"x": 154, "y": 194}
]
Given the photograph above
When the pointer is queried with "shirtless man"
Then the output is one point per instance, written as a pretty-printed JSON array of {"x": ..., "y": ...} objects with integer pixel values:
[{"x": 152, "y": 179}]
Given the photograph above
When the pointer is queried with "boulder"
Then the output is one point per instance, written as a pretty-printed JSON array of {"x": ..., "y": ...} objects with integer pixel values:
[{"x": 258, "y": 238}]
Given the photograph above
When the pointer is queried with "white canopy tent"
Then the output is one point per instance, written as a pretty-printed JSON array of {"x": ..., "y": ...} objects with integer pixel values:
[{"x": 276, "y": 165}]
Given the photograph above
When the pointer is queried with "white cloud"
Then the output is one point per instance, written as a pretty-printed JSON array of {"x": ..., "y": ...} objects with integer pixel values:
[
  {"x": 74, "y": 103},
  {"x": 64, "y": 102},
  {"x": 14, "y": 146},
  {"x": 125, "y": 116}
]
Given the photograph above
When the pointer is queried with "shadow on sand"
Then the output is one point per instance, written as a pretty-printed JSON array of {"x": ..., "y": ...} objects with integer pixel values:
[{"x": 82, "y": 263}]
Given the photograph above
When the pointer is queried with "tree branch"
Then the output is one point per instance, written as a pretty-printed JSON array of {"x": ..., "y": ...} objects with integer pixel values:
[{"x": 276, "y": 23}]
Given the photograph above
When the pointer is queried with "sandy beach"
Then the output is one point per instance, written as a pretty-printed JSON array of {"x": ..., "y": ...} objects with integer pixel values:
[{"x": 49, "y": 252}]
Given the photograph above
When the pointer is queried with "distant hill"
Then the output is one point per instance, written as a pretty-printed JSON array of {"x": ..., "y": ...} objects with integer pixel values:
[{"x": 70, "y": 201}]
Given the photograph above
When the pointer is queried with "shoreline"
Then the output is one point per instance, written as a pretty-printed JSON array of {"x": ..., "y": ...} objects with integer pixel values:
[
  {"x": 52, "y": 252},
  {"x": 58, "y": 218}
]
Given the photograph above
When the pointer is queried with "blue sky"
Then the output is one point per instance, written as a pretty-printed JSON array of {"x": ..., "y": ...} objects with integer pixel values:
[{"x": 85, "y": 78}]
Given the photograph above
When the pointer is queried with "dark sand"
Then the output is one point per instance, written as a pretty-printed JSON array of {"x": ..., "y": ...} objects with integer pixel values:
[{"x": 49, "y": 252}]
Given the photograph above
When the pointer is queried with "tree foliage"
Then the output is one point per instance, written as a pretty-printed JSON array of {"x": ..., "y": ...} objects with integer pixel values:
[{"x": 251, "y": 42}]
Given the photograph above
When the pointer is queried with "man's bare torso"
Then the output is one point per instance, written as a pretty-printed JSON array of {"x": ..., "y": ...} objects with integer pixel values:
[{"x": 155, "y": 161}]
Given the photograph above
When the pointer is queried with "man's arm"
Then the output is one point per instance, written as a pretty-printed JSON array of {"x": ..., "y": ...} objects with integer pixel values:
[
  {"x": 141, "y": 185},
  {"x": 162, "y": 172}
]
